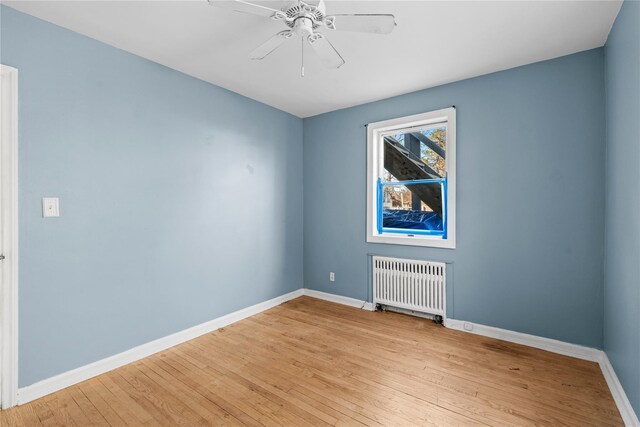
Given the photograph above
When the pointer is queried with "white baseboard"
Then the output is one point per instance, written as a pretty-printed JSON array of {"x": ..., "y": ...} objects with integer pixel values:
[
  {"x": 555, "y": 346},
  {"x": 58, "y": 382},
  {"x": 622, "y": 401},
  {"x": 339, "y": 299}
]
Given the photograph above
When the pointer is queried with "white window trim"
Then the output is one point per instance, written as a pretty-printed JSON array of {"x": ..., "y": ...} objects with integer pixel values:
[{"x": 375, "y": 166}]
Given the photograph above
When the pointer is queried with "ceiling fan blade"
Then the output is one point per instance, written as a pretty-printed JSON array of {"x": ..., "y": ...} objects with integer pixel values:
[
  {"x": 246, "y": 7},
  {"x": 361, "y": 23},
  {"x": 270, "y": 45},
  {"x": 325, "y": 50}
]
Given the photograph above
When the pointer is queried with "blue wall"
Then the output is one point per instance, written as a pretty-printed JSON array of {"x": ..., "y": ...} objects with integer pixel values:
[
  {"x": 622, "y": 250},
  {"x": 180, "y": 201},
  {"x": 530, "y": 232}
]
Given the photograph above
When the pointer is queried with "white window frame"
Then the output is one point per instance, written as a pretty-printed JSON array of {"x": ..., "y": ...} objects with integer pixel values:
[{"x": 375, "y": 168}]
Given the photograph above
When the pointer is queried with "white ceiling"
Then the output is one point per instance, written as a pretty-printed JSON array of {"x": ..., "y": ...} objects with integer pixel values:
[{"x": 435, "y": 42}]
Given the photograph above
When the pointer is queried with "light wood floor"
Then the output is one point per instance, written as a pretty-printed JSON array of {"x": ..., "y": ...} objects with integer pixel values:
[{"x": 311, "y": 362}]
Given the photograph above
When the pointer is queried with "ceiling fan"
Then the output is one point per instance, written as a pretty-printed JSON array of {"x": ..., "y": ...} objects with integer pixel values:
[{"x": 303, "y": 19}]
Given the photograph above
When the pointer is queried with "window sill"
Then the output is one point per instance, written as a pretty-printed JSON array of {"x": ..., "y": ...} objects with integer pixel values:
[{"x": 431, "y": 242}]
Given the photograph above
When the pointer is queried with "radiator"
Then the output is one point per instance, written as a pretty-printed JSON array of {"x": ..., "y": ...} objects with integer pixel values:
[{"x": 410, "y": 284}]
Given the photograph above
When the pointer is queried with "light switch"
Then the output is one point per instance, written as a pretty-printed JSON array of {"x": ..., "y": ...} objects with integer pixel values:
[{"x": 50, "y": 207}]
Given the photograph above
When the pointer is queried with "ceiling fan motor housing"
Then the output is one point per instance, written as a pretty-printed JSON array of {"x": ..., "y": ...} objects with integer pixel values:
[{"x": 305, "y": 17}]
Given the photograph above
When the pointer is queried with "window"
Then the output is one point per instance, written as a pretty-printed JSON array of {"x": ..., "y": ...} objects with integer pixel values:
[{"x": 411, "y": 180}]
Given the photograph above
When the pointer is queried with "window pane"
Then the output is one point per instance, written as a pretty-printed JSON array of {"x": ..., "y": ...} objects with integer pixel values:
[
  {"x": 415, "y": 154},
  {"x": 433, "y": 153},
  {"x": 416, "y": 207}
]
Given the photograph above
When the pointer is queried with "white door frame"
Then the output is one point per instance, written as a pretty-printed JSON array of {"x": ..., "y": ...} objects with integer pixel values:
[{"x": 9, "y": 233}]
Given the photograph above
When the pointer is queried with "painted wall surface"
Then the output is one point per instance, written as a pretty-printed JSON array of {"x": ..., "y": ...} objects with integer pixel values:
[
  {"x": 180, "y": 201},
  {"x": 530, "y": 232},
  {"x": 622, "y": 250}
]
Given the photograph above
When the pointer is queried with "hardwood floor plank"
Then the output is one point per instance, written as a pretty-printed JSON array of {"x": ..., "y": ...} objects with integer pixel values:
[
  {"x": 262, "y": 409},
  {"x": 314, "y": 363},
  {"x": 93, "y": 415},
  {"x": 141, "y": 397},
  {"x": 45, "y": 413},
  {"x": 197, "y": 378},
  {"x": 96, "y": 398},
  {"x": 9, "y": 418},
  {"x": 66, "y": 409},
  {"x": 27, "y": 416},
  {"x": 165, "y": 402},
  {"x": 122, "y": 402},
  {"x": 195, "y": 401}
]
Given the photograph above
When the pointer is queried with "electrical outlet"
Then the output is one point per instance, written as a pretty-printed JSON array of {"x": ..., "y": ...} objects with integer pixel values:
[
  {"x": 468, "y": 326},
  {"x": 332, "y": 276},
  {"x": 50, "y": 207}
]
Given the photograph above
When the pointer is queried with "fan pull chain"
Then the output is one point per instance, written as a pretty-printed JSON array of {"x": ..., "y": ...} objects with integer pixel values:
[{"x": 302, "y": 57}]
